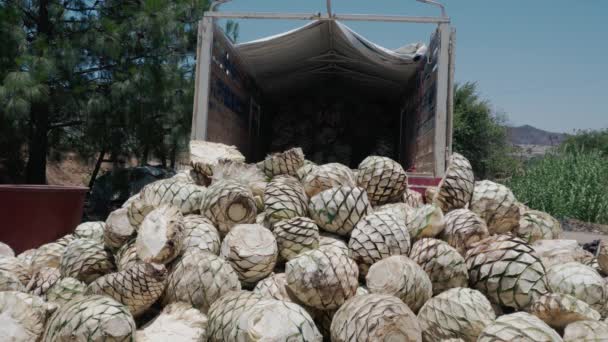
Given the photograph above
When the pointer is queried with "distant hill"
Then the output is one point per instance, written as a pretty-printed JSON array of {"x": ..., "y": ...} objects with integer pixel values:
[{"x": 528, "y": 135}]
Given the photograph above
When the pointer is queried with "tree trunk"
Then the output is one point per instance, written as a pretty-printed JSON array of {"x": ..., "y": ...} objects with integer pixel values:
[
  {"x": 162, "y": 155},
  {"x": 35, "y": 172},
  {"x": 114, "y": 159},
  {"x": 37, "y": 145},
  {"x": 145, "y": 156},
  {"x": 97, "y": 167},
  {"x": 173, "y": 156},
  {"x": 116, "y": 140}
]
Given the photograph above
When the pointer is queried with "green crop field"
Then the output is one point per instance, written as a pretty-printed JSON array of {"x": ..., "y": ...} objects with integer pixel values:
[{"x": 571, "y": 184}]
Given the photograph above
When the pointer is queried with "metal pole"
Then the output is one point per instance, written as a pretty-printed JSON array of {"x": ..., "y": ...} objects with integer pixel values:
[
  {"x": 318, "y": 16},
  {"x": 330, "y": 15},
  {"x": 215, "y": 4},
  {"x": 435, "y": 3},
  {"x": 391, "y": 18},
  {"x": 253, "y": 15}
]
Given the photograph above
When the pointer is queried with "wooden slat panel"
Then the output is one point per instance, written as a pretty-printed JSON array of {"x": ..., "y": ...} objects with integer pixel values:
[
  {"x": 409, "y": 126},
  {"x": 231, "y": 91},
  {"x": 425, "y": 156},
  {"x": 427, "y": 103}
]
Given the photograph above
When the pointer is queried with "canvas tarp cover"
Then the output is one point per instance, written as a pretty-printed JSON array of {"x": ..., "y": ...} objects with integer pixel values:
[{"x": 328, "y": 49}]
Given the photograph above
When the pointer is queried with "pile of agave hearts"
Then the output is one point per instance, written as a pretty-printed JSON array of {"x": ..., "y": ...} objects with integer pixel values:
[{"x": 285, "y": 250}]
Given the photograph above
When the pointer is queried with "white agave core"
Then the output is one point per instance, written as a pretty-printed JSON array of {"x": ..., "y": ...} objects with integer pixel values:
[
  {"x": 177, "y": 322},
  {"x": 165, "y": 328},
  {"x": 250, "y": 241},
  {"x": 123, "y": 225},
  {"x": 384, "y": 279},
  {"x": 154, "y": 236},
  {"x": 277, "y": 320},
  {"x": 118, "y": 326},
  {"x": 237, "y": 212},
  {"x": 13, "y": 329}
]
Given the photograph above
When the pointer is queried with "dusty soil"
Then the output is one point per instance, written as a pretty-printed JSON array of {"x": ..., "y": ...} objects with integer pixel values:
[
  {"x": 583, "y": 237},
  {"x": 583, "y": 232},
  {"x": 71, "y": 170},
  {"x": 573, "y": 225}
]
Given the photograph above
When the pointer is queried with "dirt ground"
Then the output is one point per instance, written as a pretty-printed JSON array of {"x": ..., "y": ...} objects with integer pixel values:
[
  {"x": 583, "y": 237},
  {"x": 74, "y": 170},
  {"x": 583, "y": 232},
  {"x": 71, "y": 170}
]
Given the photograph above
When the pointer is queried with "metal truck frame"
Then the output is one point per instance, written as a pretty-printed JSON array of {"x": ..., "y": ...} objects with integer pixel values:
[{"x": 442, "y": 146}]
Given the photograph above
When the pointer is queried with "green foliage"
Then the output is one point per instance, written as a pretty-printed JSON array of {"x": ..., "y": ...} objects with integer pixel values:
[
  {"x": 11, "y": 37},
  {"x": 481, "y": 135},
  {"x": 588, "y": 141},
  {"x": 12, "y": 131},
  {"x": 19, "y": 90},
  {"x": 567, "y": 184},
  {"x": 11, "y": 159},
  {"x": 99, "y": 76},
  {"x": 232, "y": 30}
]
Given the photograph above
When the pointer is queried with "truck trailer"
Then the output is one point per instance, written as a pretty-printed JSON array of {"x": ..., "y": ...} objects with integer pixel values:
[{"x": 329, "y": 90}]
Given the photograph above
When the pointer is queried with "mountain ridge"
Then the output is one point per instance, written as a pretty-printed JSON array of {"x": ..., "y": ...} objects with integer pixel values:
[{"x": 530, "y": 135}]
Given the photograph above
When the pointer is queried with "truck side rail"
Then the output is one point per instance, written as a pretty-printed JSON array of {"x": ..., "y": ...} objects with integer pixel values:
[{"x": 443, "y": 19}]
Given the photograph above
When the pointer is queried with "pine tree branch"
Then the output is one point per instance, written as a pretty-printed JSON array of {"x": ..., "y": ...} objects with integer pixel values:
[
  {"x": 66, "y": 124},
  {"x": 110, "y": 66},
  {"x": 96, "y": 69},
  {"x": 75, "y": 21},
  {"x": 25, "y": 11},
  {"x": 83, "y": 9}
]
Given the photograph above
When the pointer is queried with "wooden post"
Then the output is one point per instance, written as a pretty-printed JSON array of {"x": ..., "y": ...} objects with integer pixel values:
[
  {"x": 202, "y": 81},
  {"x": 452, "y": 67},
  {"x": 441, "y": 114}
]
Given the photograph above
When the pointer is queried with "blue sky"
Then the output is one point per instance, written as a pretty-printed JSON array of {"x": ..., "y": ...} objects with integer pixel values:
[{"x": 541, "y": 62}]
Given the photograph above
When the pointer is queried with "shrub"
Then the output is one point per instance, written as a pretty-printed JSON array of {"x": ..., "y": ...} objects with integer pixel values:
[
  {"x": 587, "y": 140},
  {"x": 572, "y": 183},
  {"x": 480, "y": 135}
]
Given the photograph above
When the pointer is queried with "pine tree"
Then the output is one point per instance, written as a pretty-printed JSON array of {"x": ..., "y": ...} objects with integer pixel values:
[{"x": 104, "y": 76}]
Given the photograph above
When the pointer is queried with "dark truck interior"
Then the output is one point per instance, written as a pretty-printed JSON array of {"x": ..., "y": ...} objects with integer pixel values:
[{"x": 324, "y": 88}]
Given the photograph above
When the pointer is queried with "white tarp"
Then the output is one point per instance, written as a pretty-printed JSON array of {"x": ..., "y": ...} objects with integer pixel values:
[{"x": 328, "y": 49}]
